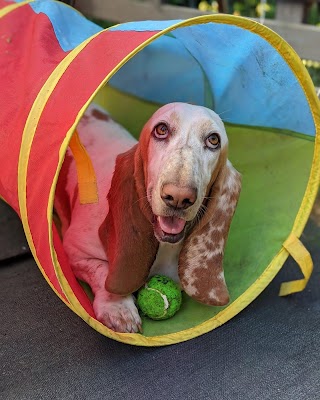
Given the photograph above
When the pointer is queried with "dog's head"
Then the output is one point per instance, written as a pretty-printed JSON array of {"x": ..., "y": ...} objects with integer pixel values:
[{"x": 187, "y": 149}]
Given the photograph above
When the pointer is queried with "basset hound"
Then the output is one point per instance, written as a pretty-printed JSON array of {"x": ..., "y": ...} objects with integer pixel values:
[{"x": 165, "y": 206}]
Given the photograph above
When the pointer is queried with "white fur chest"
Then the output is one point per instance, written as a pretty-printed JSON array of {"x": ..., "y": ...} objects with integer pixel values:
[{"x": 167, "y": 260}]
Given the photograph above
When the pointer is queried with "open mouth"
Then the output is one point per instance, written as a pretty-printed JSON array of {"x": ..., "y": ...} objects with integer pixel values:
[{"x": 169, "y": 229}]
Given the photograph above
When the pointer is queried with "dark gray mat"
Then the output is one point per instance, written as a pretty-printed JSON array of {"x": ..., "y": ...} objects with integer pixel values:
[
  {"x": 12, "y": 240},
  {"x": 269, "y": 351}
]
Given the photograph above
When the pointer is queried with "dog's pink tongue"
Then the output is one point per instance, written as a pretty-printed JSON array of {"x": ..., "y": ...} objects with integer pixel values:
[{"x": 171, "y": 225}]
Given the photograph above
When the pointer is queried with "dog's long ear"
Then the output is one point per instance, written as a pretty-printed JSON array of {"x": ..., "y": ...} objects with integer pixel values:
[
  {"x": 127, "y": 232},
  {"x": 201, "y": 258}
]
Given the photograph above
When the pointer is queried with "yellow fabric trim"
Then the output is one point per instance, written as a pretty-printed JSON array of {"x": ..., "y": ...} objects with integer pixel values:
[
  {"x": 87, "y": 182},
  {"x": 255, "y": 289},
  {"x": 6, "y": 10},
  {"x": 303, "y": 258}
]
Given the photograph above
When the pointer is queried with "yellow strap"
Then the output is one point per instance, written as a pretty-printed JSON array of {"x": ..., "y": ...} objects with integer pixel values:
[
  {"x": 87, "y": 182},
  {"x": 301, "y": 255}
]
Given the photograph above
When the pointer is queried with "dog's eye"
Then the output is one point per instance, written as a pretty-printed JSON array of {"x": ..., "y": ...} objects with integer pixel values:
[
  {"x": 213, "y": 141},
  {"x": 161, "y": 131}
]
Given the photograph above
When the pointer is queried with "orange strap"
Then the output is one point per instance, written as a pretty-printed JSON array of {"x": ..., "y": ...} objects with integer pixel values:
[{"x": 87, "y": 182}]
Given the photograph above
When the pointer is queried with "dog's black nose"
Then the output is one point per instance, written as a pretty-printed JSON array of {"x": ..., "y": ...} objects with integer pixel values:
[{"x": 178, "y": 197}]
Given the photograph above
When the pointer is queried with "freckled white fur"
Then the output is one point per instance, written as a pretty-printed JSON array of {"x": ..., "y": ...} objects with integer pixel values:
[
  {"x": 221, "y": 276},
  {"x": 231, "y": 180},
  {"x": 223, "y": 203},
  {"x": 213, "y": 294},
  {"x": 186, "y": 153},
  {"x": 218, "y": 249},
  {"x": 190, "y": 287}
]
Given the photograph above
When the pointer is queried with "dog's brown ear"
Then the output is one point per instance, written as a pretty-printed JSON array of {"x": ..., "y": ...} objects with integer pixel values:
[
  {"x": 201, "y": 258},
  {"x": 127, "y": 232}
]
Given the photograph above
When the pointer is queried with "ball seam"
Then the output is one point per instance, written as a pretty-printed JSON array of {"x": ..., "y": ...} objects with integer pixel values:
[{"x": 164, "y": 298}]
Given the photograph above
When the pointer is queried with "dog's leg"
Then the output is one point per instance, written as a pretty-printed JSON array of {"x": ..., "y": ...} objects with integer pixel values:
[
  {"x": 88, "y": 263},
  {"x": 118, "y": 313}
]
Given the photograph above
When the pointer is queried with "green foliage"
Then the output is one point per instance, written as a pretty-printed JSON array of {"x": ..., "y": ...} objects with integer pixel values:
[
  {"x": 252, "y": 8},
  {"x": 315, "y": 75},
  {"x": 313, "y": 16},
  {"x": 247, "y": 8}
]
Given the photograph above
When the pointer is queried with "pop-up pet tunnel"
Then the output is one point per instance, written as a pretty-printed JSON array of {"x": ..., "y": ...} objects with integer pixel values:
[{"x": 54, "y": 62}]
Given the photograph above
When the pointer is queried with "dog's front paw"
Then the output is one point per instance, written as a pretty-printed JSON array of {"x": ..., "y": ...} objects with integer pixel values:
[{"x": 117, "y": 312}]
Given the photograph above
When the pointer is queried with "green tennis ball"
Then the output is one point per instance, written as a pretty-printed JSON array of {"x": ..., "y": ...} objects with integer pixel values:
[{"x": 160, "y": 298}]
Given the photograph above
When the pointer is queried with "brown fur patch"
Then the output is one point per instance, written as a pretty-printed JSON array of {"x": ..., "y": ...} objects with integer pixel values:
[
  {"x": 100, "y": 115},
  {"x": 127, "y": 232}
]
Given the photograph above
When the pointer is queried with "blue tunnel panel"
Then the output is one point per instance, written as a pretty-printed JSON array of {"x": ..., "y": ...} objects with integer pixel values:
[{"x": 227, "y": 68}]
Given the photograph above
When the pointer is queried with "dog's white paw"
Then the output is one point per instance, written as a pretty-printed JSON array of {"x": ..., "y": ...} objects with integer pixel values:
[{"x": 116, "y": 312}]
